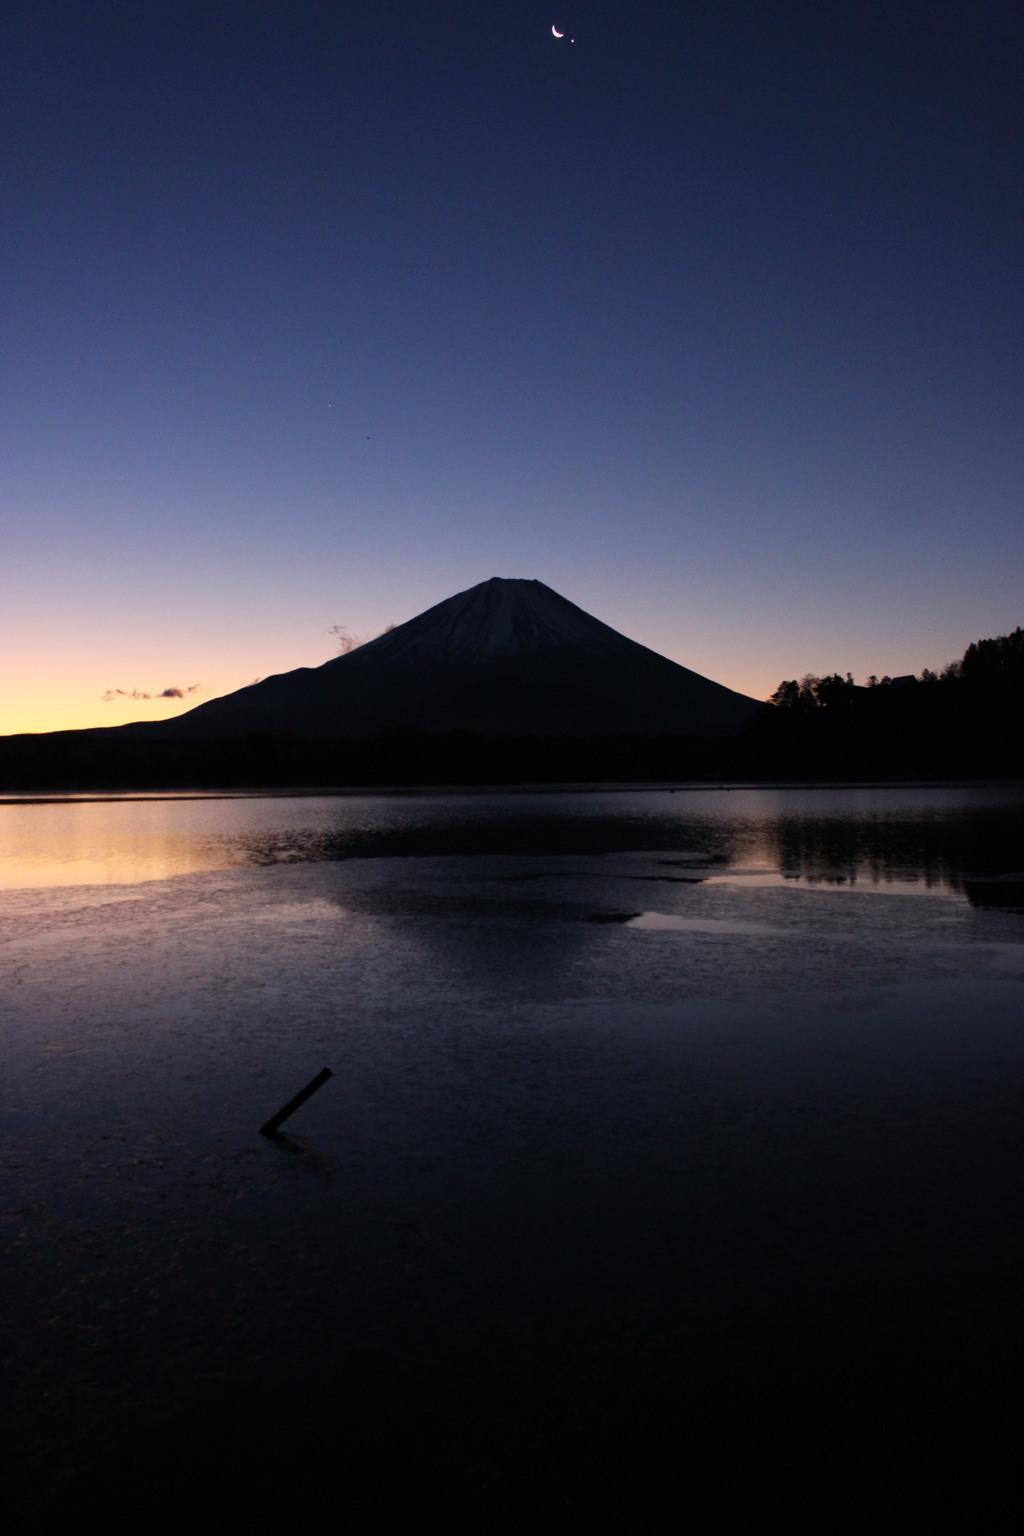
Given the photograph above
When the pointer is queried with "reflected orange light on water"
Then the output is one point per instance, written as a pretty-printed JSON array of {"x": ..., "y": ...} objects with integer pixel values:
[{"x": 99, "y": 843}]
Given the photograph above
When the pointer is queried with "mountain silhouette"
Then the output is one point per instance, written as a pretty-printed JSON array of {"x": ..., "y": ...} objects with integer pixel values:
[{"x": 505, "y": 658}]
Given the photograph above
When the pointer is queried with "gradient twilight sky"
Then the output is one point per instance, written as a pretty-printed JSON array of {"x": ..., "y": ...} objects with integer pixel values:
[{"x": 316, "y": 315}]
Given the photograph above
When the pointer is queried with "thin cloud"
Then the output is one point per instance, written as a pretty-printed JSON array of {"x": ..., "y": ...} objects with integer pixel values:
[
  {"x": 347, "y": 641},
  {"x": 134, "y": 693}
]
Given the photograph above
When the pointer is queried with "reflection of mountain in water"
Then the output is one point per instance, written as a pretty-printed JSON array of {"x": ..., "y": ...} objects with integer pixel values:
[
  {"x": 969, "y": 841},
  {"x": 973, "y": 851},
  {"x": 531, "y": 834}
]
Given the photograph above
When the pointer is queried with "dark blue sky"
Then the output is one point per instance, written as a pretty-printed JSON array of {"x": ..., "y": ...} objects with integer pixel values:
[{"x": 711, "y": 319}]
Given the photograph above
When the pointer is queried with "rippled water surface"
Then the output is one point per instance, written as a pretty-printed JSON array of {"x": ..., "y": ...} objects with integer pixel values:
[
  {"x": 924, "y": 837},
  {"x": 666, "y": 1128}
]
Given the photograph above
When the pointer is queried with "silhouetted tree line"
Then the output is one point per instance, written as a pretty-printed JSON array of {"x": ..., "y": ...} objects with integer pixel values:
[{"x": 965, "y": 721}]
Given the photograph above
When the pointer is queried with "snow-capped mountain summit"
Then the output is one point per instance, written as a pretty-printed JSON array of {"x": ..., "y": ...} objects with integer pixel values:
[
  {"x": 505, "y": 658},
  {"x": 500, "y": 617}
]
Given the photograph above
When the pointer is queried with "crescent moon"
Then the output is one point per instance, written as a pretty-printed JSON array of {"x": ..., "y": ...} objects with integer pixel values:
[{"x": 555, "y": 32}]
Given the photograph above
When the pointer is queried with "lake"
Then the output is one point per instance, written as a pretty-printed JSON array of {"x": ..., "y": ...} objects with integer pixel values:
[{"x": 670, "y": 1169}]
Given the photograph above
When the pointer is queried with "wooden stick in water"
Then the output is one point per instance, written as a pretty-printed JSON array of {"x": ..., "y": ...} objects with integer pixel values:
[{"x": 276, "y": 1121}]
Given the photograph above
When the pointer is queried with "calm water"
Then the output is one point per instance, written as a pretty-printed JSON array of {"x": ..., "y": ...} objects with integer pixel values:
[{"x": 673, "y": 1146}]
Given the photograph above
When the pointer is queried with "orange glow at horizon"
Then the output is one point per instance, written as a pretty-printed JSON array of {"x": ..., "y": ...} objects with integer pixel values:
[{"x": 34, "y": 702}]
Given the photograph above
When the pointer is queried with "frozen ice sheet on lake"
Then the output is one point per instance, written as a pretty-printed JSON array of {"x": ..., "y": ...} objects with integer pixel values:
[{"x": 667, "y": 922}]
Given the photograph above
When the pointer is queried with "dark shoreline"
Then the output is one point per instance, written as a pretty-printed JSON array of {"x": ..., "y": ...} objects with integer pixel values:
[
  {"x": 785, "y": 751},
  {"x": 553, "y": 787}
]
